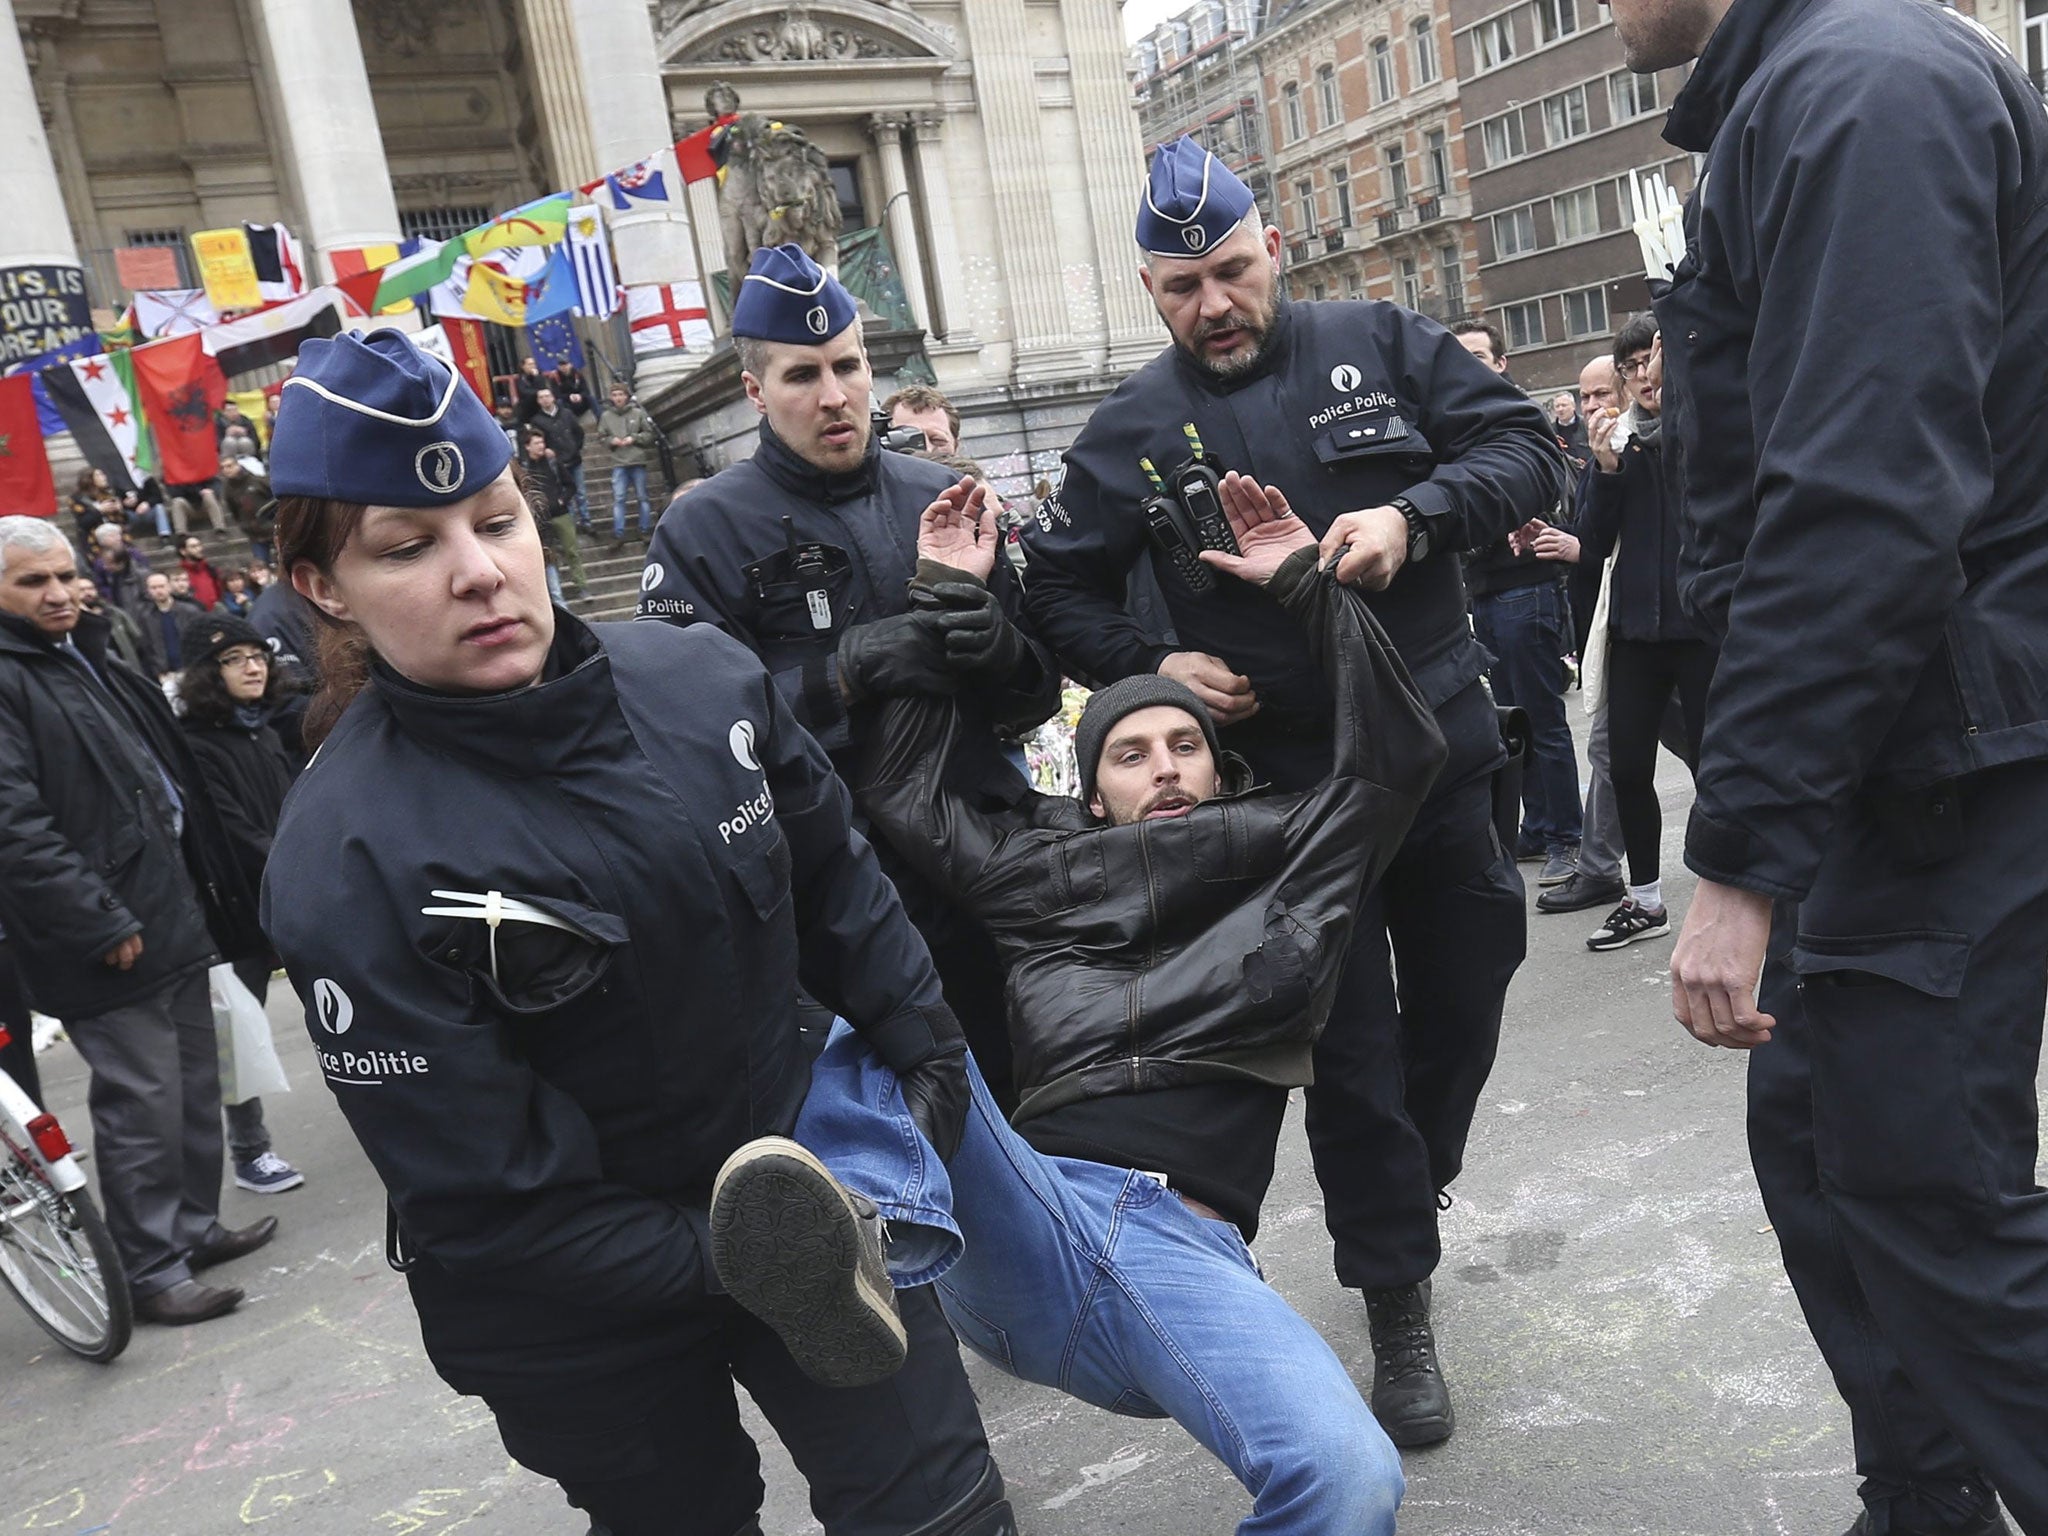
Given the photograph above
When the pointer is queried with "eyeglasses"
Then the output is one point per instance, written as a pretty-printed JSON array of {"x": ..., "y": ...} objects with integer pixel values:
[
  {"x": 1636, "y": 364},
  {"x": 232, "y": 659}
]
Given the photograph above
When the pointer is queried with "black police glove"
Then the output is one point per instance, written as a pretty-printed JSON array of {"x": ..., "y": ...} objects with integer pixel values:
[
  {"x": 938, "y": 1096},
  {"x": 979, "y": 635},
  {"x": 902, "y": 654}
]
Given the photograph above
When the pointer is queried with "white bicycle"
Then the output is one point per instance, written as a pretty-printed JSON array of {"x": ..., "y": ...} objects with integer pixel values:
[{"x": 55, "y": 1252}]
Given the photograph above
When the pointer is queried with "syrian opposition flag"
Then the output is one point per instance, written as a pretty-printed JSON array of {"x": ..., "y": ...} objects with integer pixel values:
[{"x": 98, "y": 406}]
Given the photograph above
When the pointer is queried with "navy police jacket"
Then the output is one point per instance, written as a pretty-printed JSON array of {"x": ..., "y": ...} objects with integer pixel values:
[
  {"x": 1856, "y": 355},
  {"x": 1354, "y": 404},
  {"x": 786, "y": 557},
  {"x": 548, "y": 1105}
]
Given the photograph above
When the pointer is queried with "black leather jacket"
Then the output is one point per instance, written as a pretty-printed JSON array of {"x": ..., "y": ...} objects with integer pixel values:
[{"x": 1169, "y": 952}]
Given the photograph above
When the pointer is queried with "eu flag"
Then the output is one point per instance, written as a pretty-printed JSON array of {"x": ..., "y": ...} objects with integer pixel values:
[{"x": 553, "y": 341}]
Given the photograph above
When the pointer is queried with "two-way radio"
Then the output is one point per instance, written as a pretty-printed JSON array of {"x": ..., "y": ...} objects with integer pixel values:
[{"x": 1186, "y": 514}]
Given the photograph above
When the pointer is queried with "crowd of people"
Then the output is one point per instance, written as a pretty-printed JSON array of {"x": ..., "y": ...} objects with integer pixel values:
[{"x": 772, "y": 1028}]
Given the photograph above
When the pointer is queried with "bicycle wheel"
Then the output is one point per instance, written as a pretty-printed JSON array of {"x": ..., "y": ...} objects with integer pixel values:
[{"x": 59, "y": 1260}]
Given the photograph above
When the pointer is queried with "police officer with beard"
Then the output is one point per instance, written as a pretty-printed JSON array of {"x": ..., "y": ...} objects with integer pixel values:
[
  {"x": 805, "y": 551},
  {"x": 1399, "y": 450}
]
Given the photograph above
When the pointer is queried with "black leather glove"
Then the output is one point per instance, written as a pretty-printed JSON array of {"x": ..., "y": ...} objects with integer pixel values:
[
  {"x": 902, "y": 654},
  {"x": 938, "y": 1096},
  {"x": 979, "y": 635}
]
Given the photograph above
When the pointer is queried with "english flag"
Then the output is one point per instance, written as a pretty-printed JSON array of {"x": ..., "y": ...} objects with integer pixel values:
[{"x": 668, "y": 317}]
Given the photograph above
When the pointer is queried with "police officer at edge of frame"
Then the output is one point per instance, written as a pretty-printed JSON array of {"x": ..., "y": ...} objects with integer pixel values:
[
  {"x": 804, "y": 552},
  {"x": 1399, "y": 450}
]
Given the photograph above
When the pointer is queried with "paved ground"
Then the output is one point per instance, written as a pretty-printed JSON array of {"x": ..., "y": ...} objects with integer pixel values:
[{"x": 1625, "y": 1351}]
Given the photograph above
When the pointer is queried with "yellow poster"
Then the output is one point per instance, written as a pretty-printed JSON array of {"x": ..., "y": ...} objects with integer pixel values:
[{"x": 226, "y": 268}]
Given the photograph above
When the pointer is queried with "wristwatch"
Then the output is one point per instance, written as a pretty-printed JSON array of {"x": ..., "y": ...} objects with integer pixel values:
[{"x": 1418, "y": 527}]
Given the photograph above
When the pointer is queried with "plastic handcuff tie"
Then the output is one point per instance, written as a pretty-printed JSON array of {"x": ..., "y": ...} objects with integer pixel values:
[{"x": 493, "y": 908}]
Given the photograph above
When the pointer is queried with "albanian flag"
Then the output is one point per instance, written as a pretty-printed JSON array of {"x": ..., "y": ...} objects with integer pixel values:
[{"x": 182, "y": 387}]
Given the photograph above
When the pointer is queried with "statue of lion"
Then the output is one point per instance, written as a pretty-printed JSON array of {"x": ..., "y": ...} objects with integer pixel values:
[{"x": 777, "y": 190}]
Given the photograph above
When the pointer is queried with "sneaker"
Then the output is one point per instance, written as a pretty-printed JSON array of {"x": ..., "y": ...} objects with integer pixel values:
[
  {"x": 1579, "y": 891},
  {"x": 801, "y": 1252},
  {"x": 1562, "y": 864},
  {"x": 267, "y": 1174},
  {"x": 1627, "y": 924},
  {"x": 1409, "y": 1397}
]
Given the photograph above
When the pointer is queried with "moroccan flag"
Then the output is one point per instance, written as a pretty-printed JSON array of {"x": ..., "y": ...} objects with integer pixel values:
[
  {"x": 25, "y": 483},
  {"x": 466, "y": 349},
  {"x": 103, "y": 418},
  {"x": 494, "y": 296},
  {"x": 181, "y": 388},
  {"x": 540, "y": 222}
]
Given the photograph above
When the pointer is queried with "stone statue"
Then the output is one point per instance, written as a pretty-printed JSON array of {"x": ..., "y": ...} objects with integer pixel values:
[{"x": 777, "y": 188}]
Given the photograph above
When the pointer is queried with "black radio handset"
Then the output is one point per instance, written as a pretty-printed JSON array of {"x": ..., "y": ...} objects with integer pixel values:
[{"x": 1199, "y": 488}]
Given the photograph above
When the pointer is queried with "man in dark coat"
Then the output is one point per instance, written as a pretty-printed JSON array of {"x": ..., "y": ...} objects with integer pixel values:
[
  {"x": 558, "y": 424},
  {"x": 805, "y": 553},
  {"x": 1855, "y": 352},
  {"x": 117, "y": 893},
  {"x": 1399, "y": 450}
]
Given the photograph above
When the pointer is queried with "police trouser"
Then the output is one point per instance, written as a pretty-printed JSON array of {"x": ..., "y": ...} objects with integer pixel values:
[
  {"x": 1893, "y": 1125},
  {"x": 1399, "y": 1069},
  {"x": 663, "y": 1452}
]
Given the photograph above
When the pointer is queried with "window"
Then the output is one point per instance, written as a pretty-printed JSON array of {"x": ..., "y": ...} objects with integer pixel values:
[
  {"x": 2034, "y": 30},
  {"x": 1305, "y": 206},
  {"x": 1340, "y": 186},
  {"x": 1397, "y": 175},
  {"x": 1450, "y": 277},
  {"x": 1318, "y": 291},
  {"x": 1382, "y": 70},
  {"x": 1504, "y": 139},
  {"x": 1291, "y": 123},
  {"x": 1411, "y": 283},
  {"x": 1564, "y": 116},
  {"x": 1576, "y": 215},
  {"x": 172, "y": 240},
  {"x": 1354, "y": 285},
  {"x": 1327, "y": 104},
  {"x": 1523, "y": 324},
  {"x": 1631, "y": 95},
  {"x": 1556, "y": 19},
  {"x": 1585, "y": 312},
  {"x": 1205, "y": 25},
  {"x": 1514, "y": 232},
  {"x": 1436, "y": 155},
  {"x": 1493, "y": 43},
  {"x": 1423, "y": 30}
]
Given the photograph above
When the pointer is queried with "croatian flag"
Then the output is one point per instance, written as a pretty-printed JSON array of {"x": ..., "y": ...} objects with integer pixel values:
[{"x": 639, "y": 184}]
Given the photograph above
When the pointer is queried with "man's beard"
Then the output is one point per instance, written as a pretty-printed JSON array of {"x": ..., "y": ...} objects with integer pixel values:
[{"x": 1258, "y": 327}]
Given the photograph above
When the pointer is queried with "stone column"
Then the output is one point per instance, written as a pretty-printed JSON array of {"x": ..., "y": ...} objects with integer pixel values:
[
  {"x": 328, "y": 126},
  {"x": 948, "y": 315},
  {"x": 553, "y": 61},
  {"x": 1027, "y": 229},
  {"x": 37, "y": 228},
  {"x": 709, "y": 228},
  {"x": 899, "y": 216},
  {"x": 1113, "y": 168},
  {"x": 629, "y": 121}
]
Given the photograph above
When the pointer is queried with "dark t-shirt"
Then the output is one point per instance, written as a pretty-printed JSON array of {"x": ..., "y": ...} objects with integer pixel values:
[{"x": 1214, "y": 1141}]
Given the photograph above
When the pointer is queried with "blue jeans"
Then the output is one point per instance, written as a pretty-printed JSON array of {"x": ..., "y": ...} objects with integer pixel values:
[
  {"x": 1100, "y": 1282},
  {"x": 634, "y": 475},
  {"x": 572, "y": 481},
  {"x": 1525, "y": 629}
]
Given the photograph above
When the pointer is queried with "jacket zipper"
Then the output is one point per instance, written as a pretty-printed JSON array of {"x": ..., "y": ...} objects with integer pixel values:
[{"x": 1151, "y": 959}]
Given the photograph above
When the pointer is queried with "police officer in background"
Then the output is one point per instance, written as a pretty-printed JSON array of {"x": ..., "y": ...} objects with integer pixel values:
[
  {"x": 805, "y": 551},
  {"x": 1856, "y": 343},
  {"x": 1399, "y": 450}
]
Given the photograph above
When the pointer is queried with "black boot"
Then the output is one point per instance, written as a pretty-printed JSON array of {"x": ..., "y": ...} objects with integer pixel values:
[
  {"x": 1992, "y": 1524},
  {"x": 1409, "y": 1397}
]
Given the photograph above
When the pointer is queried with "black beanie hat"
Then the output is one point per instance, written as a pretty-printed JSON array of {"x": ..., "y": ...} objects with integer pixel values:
[
  {"x": 204, "y": 638},
  {"x": 1106, "y": 706}
]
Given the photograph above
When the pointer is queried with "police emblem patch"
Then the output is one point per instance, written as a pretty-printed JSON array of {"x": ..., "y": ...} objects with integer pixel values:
[
  {"x": 1344, "y": 377},
  {"x": 1195, "y": 236},
  {"x": 816, "y": 318},
  {"x": 439, "y": 467},
  {"x": 653, "y": 576}
]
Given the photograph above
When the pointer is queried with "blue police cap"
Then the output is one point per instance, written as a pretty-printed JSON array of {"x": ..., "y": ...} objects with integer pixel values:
[
  {"x": 1192, "y": 200},
  {"x": 786, "y": 296},
  {"x": 372, "y": 418}
]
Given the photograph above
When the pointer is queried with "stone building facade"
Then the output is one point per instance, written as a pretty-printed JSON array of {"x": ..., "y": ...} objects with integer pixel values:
[
  {"x": 1553, "y": 124},
  {"x": 1368, "y": 157}
]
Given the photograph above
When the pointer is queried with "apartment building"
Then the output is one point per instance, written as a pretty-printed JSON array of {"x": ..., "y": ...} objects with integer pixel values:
[
  {"x": 1368, "y": 152},
  {"x": 1194, "y": 74},
  {"x": 1553, "y": 126}
]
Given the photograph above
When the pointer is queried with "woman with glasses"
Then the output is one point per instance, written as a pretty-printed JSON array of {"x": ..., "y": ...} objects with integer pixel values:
[{"x": 229, "y": 693}]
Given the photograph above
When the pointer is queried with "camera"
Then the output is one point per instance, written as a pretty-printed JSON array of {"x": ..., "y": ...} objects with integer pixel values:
[{"x": 896, "y": 439}]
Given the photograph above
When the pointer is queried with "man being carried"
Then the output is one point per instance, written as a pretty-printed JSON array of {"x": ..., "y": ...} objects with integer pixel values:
[{"x": 1173, "y": 940}]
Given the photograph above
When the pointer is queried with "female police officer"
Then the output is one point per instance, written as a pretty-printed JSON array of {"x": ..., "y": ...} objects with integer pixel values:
[{"x": 548, "y": 890}]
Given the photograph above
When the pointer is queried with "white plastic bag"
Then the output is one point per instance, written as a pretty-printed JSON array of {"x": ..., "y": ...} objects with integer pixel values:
[{"x": 249, "y": 1067}]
